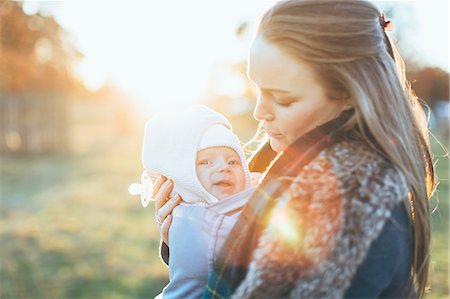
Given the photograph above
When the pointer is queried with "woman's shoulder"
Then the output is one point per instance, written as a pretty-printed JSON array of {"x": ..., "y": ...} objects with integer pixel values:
[
  {"x": 358, "y": 157},
  {"x": 323, "y": 225},
  {"x": 357, "y": 168},
  {"x": 350, "y": 155}
]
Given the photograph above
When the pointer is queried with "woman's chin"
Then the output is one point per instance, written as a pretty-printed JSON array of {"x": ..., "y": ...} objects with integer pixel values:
[{"x": 277, "y": 145}]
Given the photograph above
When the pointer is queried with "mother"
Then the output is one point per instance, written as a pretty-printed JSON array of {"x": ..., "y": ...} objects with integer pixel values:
[{"x": 343, "y": 209}]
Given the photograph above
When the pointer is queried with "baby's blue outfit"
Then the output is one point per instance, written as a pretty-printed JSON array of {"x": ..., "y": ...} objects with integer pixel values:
[
  {"x": 201, "y": 222},
  {"x": 196, "y": 236}
]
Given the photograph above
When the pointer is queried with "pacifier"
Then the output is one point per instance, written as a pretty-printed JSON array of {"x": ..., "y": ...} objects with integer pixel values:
[{"x": 145, "y": 189}]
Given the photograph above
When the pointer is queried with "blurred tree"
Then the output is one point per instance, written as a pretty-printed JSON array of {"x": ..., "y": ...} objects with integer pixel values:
[
  {"x": 36, "y": 77},
  {"x": 35, "y": 52},
  {"x": 430, "y": 84}
]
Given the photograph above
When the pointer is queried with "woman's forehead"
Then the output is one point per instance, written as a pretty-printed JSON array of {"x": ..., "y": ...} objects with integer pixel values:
[{"x": 271, "y": 69}]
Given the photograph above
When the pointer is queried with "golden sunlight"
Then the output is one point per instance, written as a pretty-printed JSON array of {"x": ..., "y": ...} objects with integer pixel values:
[
  {"x": 165, "y": 54},
  {"x": 283, "y": 223}
]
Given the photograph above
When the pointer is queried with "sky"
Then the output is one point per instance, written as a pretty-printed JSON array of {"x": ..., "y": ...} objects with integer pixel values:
[{"x": 164, "y": 53}]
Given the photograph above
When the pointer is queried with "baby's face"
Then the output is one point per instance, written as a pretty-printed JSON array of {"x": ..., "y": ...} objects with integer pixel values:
[{"x": 220, "y": 171}]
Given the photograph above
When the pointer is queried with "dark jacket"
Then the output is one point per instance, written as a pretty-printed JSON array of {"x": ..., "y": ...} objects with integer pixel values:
[{"x": 384, "y": 271}]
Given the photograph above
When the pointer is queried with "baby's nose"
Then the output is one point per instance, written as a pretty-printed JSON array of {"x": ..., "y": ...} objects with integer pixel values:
[{"x": 223, "y": 167}]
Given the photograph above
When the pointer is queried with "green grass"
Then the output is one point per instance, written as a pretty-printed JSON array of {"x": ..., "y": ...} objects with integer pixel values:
[
  {"x": 69, "y": 229},
  {"x": 439, "y": 275}
]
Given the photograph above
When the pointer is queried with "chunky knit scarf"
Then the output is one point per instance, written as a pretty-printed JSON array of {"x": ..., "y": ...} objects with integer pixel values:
[{"x": 232, "y": 264}]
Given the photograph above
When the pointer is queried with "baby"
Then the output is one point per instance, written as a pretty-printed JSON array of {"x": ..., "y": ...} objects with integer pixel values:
[{"x": 198, "y": 151}]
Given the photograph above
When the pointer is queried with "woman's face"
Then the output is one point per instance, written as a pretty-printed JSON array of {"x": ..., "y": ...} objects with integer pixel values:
[{"x": 290, "y": 100}]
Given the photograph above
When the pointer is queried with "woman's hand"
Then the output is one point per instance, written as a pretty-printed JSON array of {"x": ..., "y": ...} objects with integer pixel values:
[{"x": 164, "y": 205}]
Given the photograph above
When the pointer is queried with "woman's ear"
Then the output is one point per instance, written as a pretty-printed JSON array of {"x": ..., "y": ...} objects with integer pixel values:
[
  {"x": 342, "y": 96},
  {"x": 347, "y": 106},
  {"x": 345, "y": 96}
]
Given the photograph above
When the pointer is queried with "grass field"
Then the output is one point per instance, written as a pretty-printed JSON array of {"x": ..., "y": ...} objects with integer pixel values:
[{"x": 69, "y": 229}]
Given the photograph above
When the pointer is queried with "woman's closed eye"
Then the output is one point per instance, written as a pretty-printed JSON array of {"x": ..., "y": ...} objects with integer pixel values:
[
  {"x": 285, "y": 102},
  {"x": 279, "y": 101}
]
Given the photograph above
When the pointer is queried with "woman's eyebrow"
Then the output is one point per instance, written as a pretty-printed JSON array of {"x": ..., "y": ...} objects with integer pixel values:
[
  {"x": 266, "y": 89},
  {"x": 275, "y": 90}
]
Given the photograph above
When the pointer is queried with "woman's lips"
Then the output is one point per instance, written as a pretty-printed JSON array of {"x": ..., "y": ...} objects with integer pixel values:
[{"x": 273, "y": 135}]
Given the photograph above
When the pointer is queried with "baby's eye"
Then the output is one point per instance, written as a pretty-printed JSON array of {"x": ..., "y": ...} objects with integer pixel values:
[
  {"x": 204, "y": 162},
  {"x": 234, "y": 162}
]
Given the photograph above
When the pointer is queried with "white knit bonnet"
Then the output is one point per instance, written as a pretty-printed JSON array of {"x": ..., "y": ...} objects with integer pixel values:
[{"x": 171, "y": 142}]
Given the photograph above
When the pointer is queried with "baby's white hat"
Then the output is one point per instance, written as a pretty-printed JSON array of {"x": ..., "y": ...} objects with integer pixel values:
[
  {"x": 219, "y": 135},
  {"x": 171, "y": 142}
]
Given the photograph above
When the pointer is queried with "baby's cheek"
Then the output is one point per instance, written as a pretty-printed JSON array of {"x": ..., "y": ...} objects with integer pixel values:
[{"x": 242, "y": 181}]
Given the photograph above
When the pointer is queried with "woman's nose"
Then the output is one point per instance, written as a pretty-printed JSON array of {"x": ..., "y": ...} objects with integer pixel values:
[{"x": 263, "y": 110}]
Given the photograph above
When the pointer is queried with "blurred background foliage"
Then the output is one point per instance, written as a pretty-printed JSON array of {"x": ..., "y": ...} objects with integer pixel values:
[{"x": 68, "y": 227}]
